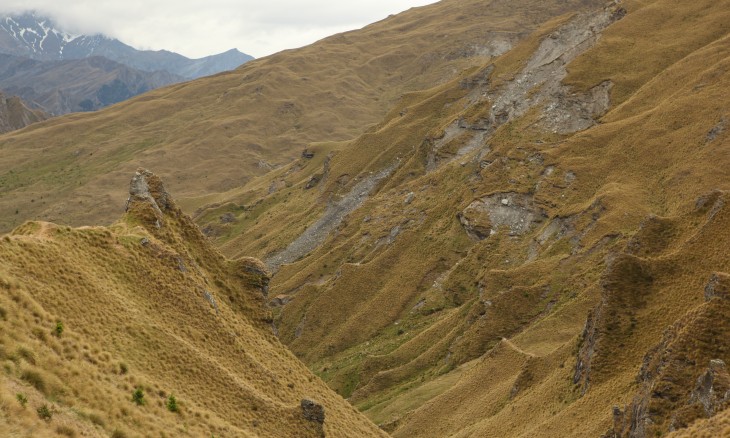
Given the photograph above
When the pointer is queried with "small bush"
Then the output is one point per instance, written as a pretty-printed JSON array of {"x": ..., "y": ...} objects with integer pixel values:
[
  {"x": 44, "y": 413},
  {"x": 138, "y": 397},
  {"x": 123, "y": 368},
  {"x": 58, "y": 330},
  {"x": 22, "y": 399},
  {"x": 3, "y": 314},
  {"x": 172, "y": 404}
]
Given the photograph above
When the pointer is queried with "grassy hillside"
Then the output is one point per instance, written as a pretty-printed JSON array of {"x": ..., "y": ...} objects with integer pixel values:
[
  {"x": 505, "y": 252},
  {"x": 214, "y": 134},
  {"x": 89, "y": 316},
  {"x": 527, "y": 242}
]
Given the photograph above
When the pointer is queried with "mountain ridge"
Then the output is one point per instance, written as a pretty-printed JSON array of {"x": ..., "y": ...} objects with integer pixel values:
[
  {"x": 88, "y": 84},
  {"x": 33, "y": 36},
  {"x": 148, "y": 307}
]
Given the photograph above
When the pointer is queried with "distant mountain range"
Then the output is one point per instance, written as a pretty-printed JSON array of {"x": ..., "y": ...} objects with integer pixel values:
[
  {"x": 33, "y": 36},
  {"x": 87, "y": 84},
  {"x": 60, "y": 72}
]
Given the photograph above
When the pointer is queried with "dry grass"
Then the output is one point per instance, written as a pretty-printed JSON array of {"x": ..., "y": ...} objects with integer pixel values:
[
  {"x": 214, "y": 135},
  {"x": 133, "y": 318},
  {"x": 649, "y": 156},
  {"x": 399, "y": 309}
]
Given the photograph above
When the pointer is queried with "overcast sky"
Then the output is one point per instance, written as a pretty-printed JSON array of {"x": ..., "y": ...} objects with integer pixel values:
[{"x": 200, "y": 28}]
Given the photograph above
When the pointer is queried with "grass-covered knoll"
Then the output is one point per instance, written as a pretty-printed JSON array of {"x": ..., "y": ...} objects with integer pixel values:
[{"x": 143, "y": 329}]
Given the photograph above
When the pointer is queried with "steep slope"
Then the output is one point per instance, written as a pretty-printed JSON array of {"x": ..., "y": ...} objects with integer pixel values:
[
  {"x": 504, "y": 251},
  {"x": 534, "y": 246},
  {"x": 215, "y": 134},
  {"x": 33, "y": 36},
  {"x": 61, "y": 87},
  {"x": 90, "y": 316},
  {"x": 15, "y": 114}
]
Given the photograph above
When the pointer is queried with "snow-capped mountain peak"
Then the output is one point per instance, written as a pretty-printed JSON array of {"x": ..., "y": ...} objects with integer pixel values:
[
  {"x": 36, "y": 37},
  {"x": 31, "y": 35}
]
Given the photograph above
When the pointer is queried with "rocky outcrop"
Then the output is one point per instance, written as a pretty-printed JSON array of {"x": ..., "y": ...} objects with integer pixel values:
[
  {"x": 335, "y": 213},
  {"x": 14, "y": 114},
  {"x": 511, "y": 212},
  {"x": 148, "y": 198},
  {"x": 254, "y": 273},
  {"x": 712, "y": 390},
  {"x": 314, "y": 413},
  {"x": 563, "y": 110},
  {"x": 718, "y": 287}
]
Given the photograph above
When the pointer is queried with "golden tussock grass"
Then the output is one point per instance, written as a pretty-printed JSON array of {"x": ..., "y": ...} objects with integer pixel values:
[{"x": 156, "y": 309}]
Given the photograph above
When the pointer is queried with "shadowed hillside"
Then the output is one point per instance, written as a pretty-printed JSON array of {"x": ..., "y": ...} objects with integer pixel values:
[{"x": 90, "y": 316}]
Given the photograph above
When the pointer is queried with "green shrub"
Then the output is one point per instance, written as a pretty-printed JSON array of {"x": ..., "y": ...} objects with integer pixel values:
[
  {"x": 172, "y": 404},
  {"x": 22, "y": 399},
  {"x": 58, "y": 331},
  {"x": 44, "y": 413},
  {"x": 138, "y": 397}
]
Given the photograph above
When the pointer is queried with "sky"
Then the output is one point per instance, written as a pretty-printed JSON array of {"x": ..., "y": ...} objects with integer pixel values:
[{"x": 200, "y": 28}]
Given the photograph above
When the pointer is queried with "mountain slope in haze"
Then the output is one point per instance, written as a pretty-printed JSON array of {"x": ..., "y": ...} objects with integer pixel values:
[
  {"x": 60, "y": 87},
  {"x": 214, "y": 135},
  {"x": 15, "y": 114},
  {"x": 537, "y": 248},
  {"x": 91, "y": 315},
  {"x": 33, "y": 36}
]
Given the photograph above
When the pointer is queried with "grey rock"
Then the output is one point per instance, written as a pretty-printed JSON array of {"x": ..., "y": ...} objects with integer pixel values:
[{"x": 312, "y": 411}]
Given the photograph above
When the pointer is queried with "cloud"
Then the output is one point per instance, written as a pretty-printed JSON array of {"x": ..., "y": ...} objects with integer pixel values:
[{"x": 197, "y": 29}]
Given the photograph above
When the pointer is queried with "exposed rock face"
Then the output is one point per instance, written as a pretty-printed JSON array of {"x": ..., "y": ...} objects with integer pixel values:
[
  {"x": 14, "y": 114},
  {"x": 718, "y": 287},
  {"x": 148, "y": 193},
  {"x": 511, "y": 211},
  {"x": 716, "y": 130},
  {"x": 539, "y": 83},
  {"x": 712, "y": 390},
  {"x": 332, "y": 217},
  {"x": 255, "y": 273},
  {"x": 312, "y": 411},
  {"x": 562, "y": 109}
]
